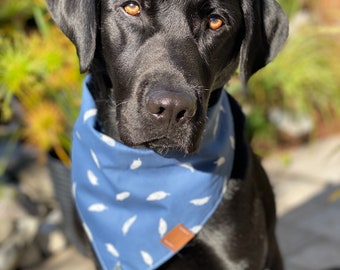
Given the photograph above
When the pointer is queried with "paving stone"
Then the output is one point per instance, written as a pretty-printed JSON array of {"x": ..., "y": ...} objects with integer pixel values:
[
  {"x": 304, "y": 180},
  {"x": 324, "y": 161},
  {"x": 300, "y": 230},
  {"x": 294, "y": 191},
  {"x": 325, "y": 223},
  {"x": 292, "y": 239},
  {"x": 319, "y": 160},
  {"x": 321, "y": 254},
  {"x": 309, "y": 208},
  {"x": 292, "y": 266}
]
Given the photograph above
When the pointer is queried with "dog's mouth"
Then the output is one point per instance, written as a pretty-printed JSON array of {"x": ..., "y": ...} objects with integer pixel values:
[
  {"x": 176, "y": 138},
  {"x": 165, "y": 145}
]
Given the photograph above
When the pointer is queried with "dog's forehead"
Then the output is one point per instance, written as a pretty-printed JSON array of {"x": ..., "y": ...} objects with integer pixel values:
[{"x": 186, "y": 3}]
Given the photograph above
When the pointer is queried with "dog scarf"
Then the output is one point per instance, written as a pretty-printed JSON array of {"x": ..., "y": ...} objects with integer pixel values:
[{"x": 139, "y": 208}]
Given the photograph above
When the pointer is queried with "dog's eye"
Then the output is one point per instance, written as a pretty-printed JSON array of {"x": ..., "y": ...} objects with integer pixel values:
[
  {"x": 215, "y": 23},
  {"x": 132, "y": 9}
]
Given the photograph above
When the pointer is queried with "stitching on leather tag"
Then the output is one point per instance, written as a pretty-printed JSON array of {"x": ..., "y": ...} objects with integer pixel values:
[{"x": 177, "y": 238}]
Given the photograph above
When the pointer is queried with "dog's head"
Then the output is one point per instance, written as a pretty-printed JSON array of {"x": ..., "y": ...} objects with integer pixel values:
[{"x": 161, "y": 60}]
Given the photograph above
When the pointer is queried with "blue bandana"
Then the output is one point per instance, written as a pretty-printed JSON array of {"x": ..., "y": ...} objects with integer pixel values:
[{"x": 139, "y": 208}]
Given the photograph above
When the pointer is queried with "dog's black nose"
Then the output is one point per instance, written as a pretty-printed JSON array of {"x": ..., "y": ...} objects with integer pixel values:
[{"x": 170, "y": 106}]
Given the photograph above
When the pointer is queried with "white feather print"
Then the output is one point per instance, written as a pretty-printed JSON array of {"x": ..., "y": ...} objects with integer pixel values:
[
  {"x": 147, "y": 258},
  {"x": 220, "y": 161},
  {"x": 95, "y": 159},
  {"x": 157, "y": 196},
  {"x": 196, "y": 229},
  {"x": 97, "y": 207},
  {"x": 89, "y": 114},
  {"x": 232, "y": 142},
  {"x": 108, "y": 140},
  {"x": 78, "y": 136},
  {"x": 112, "y": 250},
  {"x": 74, "y": 189},
  {"x": 92, "y": 178},
  {"x": 187, "y": 166},
  {"x": 162, "y": 227},
  {"x": 122, "y": 196},
  {"x": 217, "y": 124},
  {"x": 136, "y": 164},
  {"x": 127, "y": 225},
  {"x": 200, "y": 202},
  {"x": 88, "y": 232}
]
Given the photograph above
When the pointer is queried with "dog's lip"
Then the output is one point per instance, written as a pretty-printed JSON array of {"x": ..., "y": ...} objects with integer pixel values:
[
  {"x": 161, "y": 143},
  {"x": 151, "y": 141}
]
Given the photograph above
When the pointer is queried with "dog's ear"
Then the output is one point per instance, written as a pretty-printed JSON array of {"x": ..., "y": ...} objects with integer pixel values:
[
  {"x": 266, "y": 28},
  {"x": 77, "y": 19}
]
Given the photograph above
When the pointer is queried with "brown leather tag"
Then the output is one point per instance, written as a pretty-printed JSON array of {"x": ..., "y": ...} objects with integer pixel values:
[{"x": 177, "y": 238}]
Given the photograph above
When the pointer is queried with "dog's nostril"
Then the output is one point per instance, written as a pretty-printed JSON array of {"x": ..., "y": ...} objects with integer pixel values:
[
  {"x": 186, "y": 114},
  {"x": 160, "y": 111},
  {"x": 180, "y": 115},
  {"x": 167, "y": 106}
]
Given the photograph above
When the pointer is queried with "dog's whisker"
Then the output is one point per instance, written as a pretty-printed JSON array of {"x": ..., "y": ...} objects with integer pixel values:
[{"x": 120, "y": 104}]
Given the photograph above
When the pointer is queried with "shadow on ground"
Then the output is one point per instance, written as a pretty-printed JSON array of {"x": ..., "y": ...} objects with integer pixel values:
[{"x": 309, "y": 234}]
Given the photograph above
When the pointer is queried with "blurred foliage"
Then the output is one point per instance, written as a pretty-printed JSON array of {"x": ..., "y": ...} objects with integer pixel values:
[
  {"x": 38, "y": 67},
  {"x": 304, "y": 79},
  {"x": 291, "y": 7}
]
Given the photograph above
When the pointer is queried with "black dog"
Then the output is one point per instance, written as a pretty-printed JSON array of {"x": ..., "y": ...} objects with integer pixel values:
[{"x": 156, "y": 66}]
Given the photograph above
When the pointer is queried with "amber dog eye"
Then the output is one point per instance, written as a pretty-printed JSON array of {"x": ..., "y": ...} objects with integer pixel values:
[
  {"x": 132, "y": 9},
  {"x": 215, "y": 23}
]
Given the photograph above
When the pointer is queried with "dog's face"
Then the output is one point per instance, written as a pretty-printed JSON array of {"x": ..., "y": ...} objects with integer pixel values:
[{"x": 162, "y": 60}]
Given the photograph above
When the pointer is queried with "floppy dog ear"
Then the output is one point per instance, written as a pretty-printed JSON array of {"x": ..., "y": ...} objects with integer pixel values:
[
  {"x": 266, "y": 28},
  {"x": 77, "y": 19}
]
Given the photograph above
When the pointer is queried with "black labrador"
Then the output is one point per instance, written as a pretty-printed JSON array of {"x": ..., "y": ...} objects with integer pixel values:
[{"x": 167, "y": 61}]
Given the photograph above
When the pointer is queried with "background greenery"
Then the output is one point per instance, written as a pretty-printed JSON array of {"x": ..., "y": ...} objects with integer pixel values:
[
  {"x": 40, "y": 82},
  {"x": 38, "y": 71},
  {"x": 303, "y": 81}
]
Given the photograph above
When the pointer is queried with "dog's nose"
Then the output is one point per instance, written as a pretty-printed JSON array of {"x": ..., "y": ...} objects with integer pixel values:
[{"x": 171, "y": 107}]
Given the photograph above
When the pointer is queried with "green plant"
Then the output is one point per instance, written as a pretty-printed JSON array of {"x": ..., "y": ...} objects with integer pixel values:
[
  {"x": 38, "y": 66},
  {"x": 291, "y": 7},
  {"x": 305, "y": 77}
]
